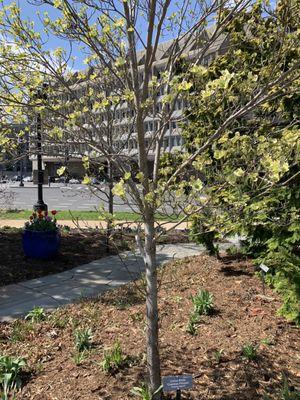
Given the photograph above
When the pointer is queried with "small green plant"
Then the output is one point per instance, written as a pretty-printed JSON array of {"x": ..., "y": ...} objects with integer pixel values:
[
  {"x": 83, "y": 339},
  {"x": 249, "y": 352},
  {"x": 37, "y": 314},
  {"x": 79, "y": 357},
  {"x": 137, "y": 317},
  {"x": 114, "y": 359},
  {"x": 143, "y": 391},
  {"x": 203, "y": 302},
  {"x": 287, "y": 393},
  {"x": 218, "y": 354},
  {"x": 58, "y": 321},
  {"x": 20, "y": 330},
  {"x": 65, "y": 229},
  {"x": 267, "y": 342},
  {"x": 178, "y": 299},
  {"x": 191, "y": 327},
  {"x": 233, "y": 250},
  {"x": 10, "y": 370}
]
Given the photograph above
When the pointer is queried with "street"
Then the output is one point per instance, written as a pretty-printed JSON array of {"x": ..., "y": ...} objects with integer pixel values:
[{"x": 61, "y": 197}]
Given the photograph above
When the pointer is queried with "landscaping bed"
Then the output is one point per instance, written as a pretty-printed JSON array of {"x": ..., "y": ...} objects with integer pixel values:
[
  {"x": 242, "y": 316},
  {"x": 77, "y": 248}
]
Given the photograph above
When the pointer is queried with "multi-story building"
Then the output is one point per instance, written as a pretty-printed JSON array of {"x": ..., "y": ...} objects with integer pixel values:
[
  {"x": 16, "y": 161},
  {"x": 70, "y": 152}
]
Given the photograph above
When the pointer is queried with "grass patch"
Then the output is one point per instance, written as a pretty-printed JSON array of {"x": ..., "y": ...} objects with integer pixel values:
[{"x": 81, "y": 215}]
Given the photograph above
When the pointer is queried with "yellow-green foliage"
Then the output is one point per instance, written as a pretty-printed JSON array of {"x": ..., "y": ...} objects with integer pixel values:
[{"x": 252, "y": 166}]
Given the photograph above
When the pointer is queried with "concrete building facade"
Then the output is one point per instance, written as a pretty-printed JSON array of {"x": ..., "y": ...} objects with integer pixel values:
[{"x": 70, "y": 153}]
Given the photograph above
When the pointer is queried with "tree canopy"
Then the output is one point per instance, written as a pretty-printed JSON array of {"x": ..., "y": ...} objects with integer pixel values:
[{"x": 252, "y": 171}]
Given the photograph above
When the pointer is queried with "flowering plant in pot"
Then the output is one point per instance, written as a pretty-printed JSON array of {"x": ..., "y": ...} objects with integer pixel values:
[{"x": 41, "y": 236}]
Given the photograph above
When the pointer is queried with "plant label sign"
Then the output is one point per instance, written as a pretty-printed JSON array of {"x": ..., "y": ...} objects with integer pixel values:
[
  {"x": 174, "y": 383},
  {"x": 264, "y": 267}
]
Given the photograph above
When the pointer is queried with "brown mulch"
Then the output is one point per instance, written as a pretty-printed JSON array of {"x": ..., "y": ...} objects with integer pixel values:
[
  {"x": 77, "y": 248},
  {"x": 242, "y": 315}
]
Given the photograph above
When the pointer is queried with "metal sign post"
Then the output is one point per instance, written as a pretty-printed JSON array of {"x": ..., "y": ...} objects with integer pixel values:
[
  {"x": 264, "y": 270},
  {"x": 177, "y": 383}
]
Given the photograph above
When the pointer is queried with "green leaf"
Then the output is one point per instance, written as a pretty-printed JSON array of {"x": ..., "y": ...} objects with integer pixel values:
[{"x": 60, "y": 171}]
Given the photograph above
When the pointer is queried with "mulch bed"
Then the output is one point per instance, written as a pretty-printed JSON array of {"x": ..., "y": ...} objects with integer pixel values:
[
  {"x": 242, "y": 315},
  {"x": 77, "y": 248}
]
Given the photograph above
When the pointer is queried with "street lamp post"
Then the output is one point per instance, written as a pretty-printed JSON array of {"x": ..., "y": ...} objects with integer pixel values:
[
  {"x": 21, "y": 184},
  {"x": 39, "y": 205},
  {"x": 21, "y": 173}
]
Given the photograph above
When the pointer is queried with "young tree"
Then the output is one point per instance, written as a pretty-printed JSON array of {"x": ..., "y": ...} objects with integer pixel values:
[{"x": 122, "y": 42}]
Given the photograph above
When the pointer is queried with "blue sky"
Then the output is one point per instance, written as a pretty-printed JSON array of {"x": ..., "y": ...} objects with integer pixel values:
[{"x": 30, "y": 11}]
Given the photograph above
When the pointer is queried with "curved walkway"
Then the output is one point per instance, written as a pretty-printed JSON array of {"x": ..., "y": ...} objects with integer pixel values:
[{"x": 87, "y": 280}]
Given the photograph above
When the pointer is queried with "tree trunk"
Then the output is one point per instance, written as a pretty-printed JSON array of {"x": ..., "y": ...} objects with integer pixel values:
[
  {"x": 110, "y": 204},
  {"x": 153, "y": 359}
]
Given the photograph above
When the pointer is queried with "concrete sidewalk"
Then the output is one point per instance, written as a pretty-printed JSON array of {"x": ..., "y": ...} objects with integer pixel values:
[
  {"x": 87, "y": 280},
  {"x": 86, "y": 224}
]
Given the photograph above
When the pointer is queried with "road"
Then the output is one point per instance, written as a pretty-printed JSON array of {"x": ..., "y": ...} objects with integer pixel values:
[{"x": 60, "y": 197}]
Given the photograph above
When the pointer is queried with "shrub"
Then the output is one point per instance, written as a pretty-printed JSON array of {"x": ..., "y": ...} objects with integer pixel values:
[
  {"x": 203, "y": 302},
  {"x": 10, "y": 369},
  {"x": 285, "y": 279},
  {"x": 203, "y": 234}
]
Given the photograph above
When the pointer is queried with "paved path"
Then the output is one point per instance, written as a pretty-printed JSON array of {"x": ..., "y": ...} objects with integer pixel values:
[
  {"x": 85, "y": 281},
  {"x": 86, "y": 224}
]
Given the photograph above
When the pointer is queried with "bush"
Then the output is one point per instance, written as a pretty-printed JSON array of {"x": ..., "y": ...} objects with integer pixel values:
[
  {"x": 202, "y": 234},
  {"x": 285, "y": 279}
]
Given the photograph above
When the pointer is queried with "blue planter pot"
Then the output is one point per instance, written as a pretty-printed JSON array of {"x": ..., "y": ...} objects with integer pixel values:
[{"x": 40, "y": 245}]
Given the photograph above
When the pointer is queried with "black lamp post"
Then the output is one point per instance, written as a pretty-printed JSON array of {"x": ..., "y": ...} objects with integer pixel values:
[
  {"x": 40, "y": 205},
  {"x": 21, "y": 184}
]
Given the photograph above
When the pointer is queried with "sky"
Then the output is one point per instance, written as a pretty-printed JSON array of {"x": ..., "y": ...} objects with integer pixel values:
[{"x": 30, "y": 11}]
